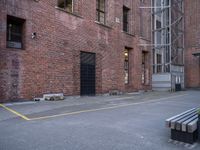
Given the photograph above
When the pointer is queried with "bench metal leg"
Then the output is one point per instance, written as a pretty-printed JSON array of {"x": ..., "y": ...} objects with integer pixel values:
[{"x": 184, "y": 136}]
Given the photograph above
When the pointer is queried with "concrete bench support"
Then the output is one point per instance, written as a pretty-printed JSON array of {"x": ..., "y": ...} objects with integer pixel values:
[{"x": 184, "y": 136}]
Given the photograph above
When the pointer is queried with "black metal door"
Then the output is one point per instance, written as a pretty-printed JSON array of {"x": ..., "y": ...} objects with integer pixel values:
[{"x": 88, "y": 82}]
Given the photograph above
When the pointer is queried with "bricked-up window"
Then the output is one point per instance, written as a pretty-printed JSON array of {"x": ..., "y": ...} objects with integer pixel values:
[
  {"x": 15, "y": 32},
  {"x": 126, "y": 19},
  {"x": 101, "y": 11},
  {"x": 66, "y": 5},
  {"x": 126, "y": 65}
]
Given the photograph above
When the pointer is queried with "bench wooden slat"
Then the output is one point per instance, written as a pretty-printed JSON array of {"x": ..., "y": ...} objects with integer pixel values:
[
  {"x": 179, "y": 122},
  {"x": 184, "y": 124},
  {"x": 192, "y": 126},
  {"x": 173, "y": 122},
  {"x": 167, "y": 122}
]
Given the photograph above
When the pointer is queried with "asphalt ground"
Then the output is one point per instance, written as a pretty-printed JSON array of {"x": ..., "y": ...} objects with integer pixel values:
[{"x": 129, "y": 122}]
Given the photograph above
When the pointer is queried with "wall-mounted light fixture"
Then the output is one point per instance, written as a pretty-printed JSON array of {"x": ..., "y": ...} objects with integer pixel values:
[{"x": 34, "y": 34}]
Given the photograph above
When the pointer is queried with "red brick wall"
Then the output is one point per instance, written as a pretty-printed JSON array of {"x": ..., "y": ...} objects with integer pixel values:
[
  {"x": 192, "y": 43},
  {"x": 50, "y": 63}
]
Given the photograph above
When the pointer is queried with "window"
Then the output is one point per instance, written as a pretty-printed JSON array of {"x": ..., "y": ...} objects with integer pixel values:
[
  {"x": 125, "y": 19},
  {"x": 141, "y": 23},
  {"x": 158, "y": 32},
  {"x": 145, "y": 71},
  {"x": 126, "y": 65},
  {"x": 66, "y": 5},
  {"x": 14, "y": 32},
  {"x": 158, "y": 24},
  {"x": 159, "y": 63},
  {"x": 101, "y": 11}
]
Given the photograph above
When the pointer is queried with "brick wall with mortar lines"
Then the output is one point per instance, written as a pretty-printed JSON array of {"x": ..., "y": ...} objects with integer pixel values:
[
  {"x": 192, "y": 43},
  {"x": 50, "y": 63}
]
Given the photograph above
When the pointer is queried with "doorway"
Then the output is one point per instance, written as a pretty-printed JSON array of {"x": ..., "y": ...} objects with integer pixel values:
[{"x": 88, "y": 73}]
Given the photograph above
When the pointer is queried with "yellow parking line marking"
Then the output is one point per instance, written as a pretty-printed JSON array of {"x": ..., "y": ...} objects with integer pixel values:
[
  {"x": 106, "y": 108},
  {"x": 15, "y": 112}
]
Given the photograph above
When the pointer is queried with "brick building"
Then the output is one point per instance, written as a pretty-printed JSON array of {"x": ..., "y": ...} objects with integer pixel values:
[
  {"x": 192, "y": 43},
  {"x": 75, "y": 47}
]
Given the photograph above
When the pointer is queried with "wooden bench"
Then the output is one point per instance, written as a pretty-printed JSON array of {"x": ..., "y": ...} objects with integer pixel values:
[{"x": 184, "y": 126}]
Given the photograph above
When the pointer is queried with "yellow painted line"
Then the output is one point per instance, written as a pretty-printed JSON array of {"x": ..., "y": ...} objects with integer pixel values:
[
  {"x": 15, "y": 112},
  {"x": 106, "y": 108}
]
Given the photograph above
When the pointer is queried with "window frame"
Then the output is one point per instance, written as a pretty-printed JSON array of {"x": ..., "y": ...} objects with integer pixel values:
[
  {"x": 145, "y": 72},
  {"x": 126, "y": 20},
  {"x": 126, "y": 65},
  {"x": 159, "y": 62},
  {"x": 65, "y": 6},
  {"x": 99, "y": 11},
  {"x": 19, "y": 24}
]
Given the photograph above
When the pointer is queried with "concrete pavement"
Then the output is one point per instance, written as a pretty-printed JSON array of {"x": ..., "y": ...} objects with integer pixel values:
[{"x": 129, "y": 122}]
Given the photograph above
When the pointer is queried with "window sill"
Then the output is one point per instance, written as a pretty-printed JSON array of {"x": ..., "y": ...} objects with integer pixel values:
[
  {"x": 130, "y": 34},
  {"x": 15, "y": 49},
  {"x": 99, "y": 23},
  {"x": 145, "y": 84},
  {"x": 71, "y": 13},
  {"x": 143, "y": 38}
]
